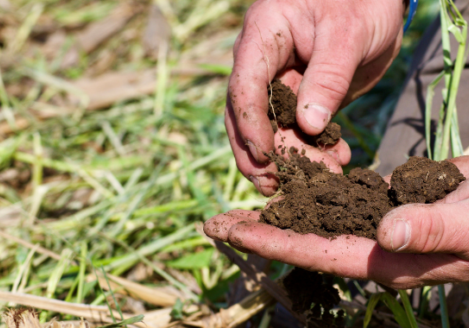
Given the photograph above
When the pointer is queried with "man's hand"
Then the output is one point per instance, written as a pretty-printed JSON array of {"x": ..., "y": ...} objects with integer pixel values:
[
  {"x": 417, "y": 244},
  {"x": 329, "y": 52}
]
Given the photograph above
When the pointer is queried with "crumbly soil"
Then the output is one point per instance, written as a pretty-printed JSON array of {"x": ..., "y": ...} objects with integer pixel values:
[
  {"x": 422, "y": 180},
  {"x": 283, "y": 114},
  {"x": 327, "y": 204},
  {"x": 306, "y": 289},
  {"x": 318, "y": 201},
  {"x": 315, "y": 200}
]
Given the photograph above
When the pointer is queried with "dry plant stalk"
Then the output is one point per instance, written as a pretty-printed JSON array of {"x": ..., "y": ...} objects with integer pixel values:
[
  {"x": 90, "y": 312},
  {"x": 237, "y": 313},
  {"x": 28, "y": 318},
  {"x": 156, "y": 296}
]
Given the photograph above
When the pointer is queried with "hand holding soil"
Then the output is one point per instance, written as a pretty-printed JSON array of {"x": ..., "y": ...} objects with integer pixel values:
[
  {"x": 417, "y": 244},
  {"x": 328, "y": 52}
]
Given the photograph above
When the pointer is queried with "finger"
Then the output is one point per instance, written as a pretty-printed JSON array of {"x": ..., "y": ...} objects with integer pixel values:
[
  {"x": 261, "y": 175},
  {"x": 462, "y": 163},
  {"x": 369, "y": 74},
  {"x": 387, "y": 179},
  {"x": 260, "y": 54},
  {"x": 458, "y": 195},
  {"x": 346, "y": 256},
  {"x": 217, "y": 227},
  {"x": 420, "y": 228},
  {"x": 327, "y": 79}
]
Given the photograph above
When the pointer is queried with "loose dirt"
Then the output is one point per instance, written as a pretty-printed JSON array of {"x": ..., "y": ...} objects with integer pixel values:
[
  {"x": 315, "y": 200},
  {"x": 283, "y": 115},
  {"x": 318, "y": 201},
  {"x": 313, "y": 293}
]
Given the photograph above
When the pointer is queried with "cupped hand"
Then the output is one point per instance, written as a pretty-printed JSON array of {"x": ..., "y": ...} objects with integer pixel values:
[
  {"x": 417, "y": 244},
  {"x": 329, "y": 52}
]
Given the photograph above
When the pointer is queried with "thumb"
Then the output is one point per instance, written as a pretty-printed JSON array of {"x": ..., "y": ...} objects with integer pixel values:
[
  {"x": 433, "y": 228},
  {"x": 327, "y": 80}
]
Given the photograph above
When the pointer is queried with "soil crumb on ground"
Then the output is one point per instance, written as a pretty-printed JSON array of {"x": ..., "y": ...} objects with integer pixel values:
[
  {"x": 327, "y": 204},
  {"x": 314, "y": 294},
  {"x": 283, "y": 114},
  {"x": 422, "y": 180}
]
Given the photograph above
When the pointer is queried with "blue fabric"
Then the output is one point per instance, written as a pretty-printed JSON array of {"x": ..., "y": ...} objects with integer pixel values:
[{"x": 412, "y": 11}]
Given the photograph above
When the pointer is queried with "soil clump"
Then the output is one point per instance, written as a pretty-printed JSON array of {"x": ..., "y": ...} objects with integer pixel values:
[
  {"x": 314, "y": 294},
  {"x": 422, "y": 180},
  {"x": 283, "y": 114},
  {"x": 327, "y": 204}
]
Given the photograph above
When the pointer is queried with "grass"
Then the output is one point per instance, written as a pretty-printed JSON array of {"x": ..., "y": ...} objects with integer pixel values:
[{"x": 99, "y": 204}]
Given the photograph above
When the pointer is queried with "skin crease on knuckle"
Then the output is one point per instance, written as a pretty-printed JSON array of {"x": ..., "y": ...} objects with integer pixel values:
[{"x": 431, "y": 232}]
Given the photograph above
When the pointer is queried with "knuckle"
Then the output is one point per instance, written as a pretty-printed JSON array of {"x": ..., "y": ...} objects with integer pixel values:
[
  {"x": 432, "y": 231},
  {"x": 333, "y": 81}
]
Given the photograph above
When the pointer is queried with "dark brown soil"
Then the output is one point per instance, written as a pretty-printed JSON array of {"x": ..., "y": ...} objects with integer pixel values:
[
  {"x": 330, "y": 135},
  {"x": 318, "y": 201},
  {"x": 422, "y": 180},
  {"x": 284, "y": 102},
  {"x": 283, "y": 115},
  {"x": 314, "y": 294}
]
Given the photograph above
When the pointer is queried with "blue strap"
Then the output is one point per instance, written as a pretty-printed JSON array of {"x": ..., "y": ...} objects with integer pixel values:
[{"x": 412, "y": 11}]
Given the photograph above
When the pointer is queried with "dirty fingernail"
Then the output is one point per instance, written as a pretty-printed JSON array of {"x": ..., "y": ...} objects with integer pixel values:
[
  {"x": 317, "y": 116},
  {"x": 255, "y": 181},
  {"x": 400, "y": 235},
  {"x": 334, "y": 154},
  {"x": 252, "y": 149}
]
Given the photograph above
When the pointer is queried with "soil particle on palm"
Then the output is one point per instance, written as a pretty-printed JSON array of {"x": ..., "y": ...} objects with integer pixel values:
[
  {"x": 314, "y": 294},
  {"x": 327, "y": 204},
  {"x": 422, "y": 180},
  {"x": 282, "y": 113}
]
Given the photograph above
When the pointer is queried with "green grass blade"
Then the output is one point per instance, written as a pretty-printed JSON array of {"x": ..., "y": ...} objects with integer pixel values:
[
  {"x": 408, "y": 309},
  {"x": 424, "y": 300},
  {"x": 372, "y": 302},
  {"x": 81, "y": 274},
  {"x": 129, "y": 321},
  {"x": 456, "y": 145},
  {"x": 428, "y": 111},
  {"x": 157, "y": 270},
  {"x": 399, "y": 313},
  {"x": 103, "y": 296},
  {"x": 118, "y": 308},
  {"x": 130, "y": 259},
  {"x": 443, "y": 307}
]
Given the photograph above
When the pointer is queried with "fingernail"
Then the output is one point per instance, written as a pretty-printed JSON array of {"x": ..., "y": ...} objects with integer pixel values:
[
  {"x": 252, "y": 149},
  {"x": 400, "y": 235},
  {"x": 334, "y": 154},
  {"x": 317, "y": 116},
  {"x": 255, "y": 181}
]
